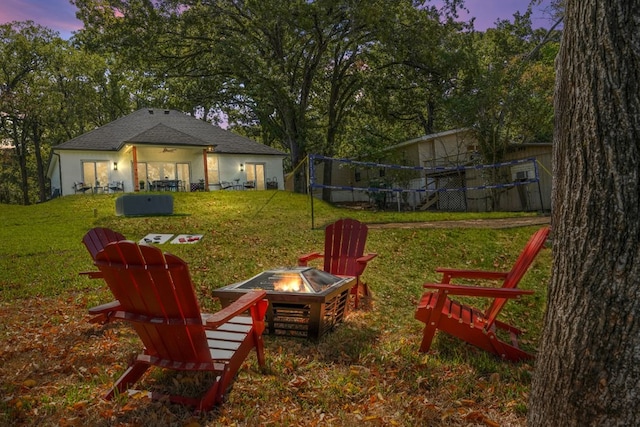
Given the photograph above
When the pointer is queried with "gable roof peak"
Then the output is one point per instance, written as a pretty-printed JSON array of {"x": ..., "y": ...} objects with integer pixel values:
[{"x": 157, "y": 126}]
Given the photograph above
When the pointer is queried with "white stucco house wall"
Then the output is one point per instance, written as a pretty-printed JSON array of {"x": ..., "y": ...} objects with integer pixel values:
[{"x": 161, "y": 149}]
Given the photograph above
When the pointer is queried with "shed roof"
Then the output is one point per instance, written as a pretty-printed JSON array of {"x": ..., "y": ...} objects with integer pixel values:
[{"x": 429, "y": 137}]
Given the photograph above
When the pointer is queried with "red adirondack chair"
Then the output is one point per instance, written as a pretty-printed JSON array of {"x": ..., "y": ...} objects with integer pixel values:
[
  {"x": 478, "y": 328},
  {"x": 343, "y": 255},
  {"x": 155, "y": 295}
]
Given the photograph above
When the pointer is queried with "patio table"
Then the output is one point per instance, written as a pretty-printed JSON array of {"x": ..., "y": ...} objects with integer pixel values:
[{"x": 165, "y": 185}]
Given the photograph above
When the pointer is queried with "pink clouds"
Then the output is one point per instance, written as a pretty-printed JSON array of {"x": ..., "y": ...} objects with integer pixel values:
[
  {"x": 487, "y": 12},
  {"x": 58, "y": 15}
]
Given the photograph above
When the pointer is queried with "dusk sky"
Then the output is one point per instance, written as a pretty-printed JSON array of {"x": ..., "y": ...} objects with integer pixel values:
[{"x": 59, "y": 15}]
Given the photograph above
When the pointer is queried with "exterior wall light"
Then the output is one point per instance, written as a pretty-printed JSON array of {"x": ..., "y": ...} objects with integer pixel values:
[
  {"x": 241, "y": 167},
  {"x": 115, "y": 166}
]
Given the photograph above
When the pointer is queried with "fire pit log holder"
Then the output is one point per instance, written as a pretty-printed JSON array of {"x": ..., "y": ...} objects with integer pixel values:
[{"x": 303, "y": 301}]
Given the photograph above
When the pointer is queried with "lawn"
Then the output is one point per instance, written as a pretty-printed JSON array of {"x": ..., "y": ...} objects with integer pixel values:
[{"x": 55, "y": 365}]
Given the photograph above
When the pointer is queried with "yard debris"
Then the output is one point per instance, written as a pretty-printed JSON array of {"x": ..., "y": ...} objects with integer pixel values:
[{"x": 59, "y": 365}]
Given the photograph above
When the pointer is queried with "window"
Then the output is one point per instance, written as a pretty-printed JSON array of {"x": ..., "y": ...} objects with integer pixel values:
[
  {"x": 95, "y": 173},
  {"x": 183, "y": 175},
  {"x": 212, "y": 169},
  {"x": 142, "y": 175},
  {"x": 154, "y": 171},
  {"x": 255, "y": 173},
  {"x": 159, "y": 170}
]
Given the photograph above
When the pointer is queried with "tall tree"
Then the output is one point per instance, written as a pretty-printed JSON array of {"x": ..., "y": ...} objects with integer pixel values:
[
  {"x": 588, "y": 371},
  {"x": 50, "y": 91},
  {"x": 506, "y": 97},
  {"x": 23, "y": 57},
  {"x": 424, "y": 55}
]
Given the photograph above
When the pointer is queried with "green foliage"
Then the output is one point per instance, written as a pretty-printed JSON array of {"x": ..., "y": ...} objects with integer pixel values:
[
  {"x": 327, "y": 77},
  {"x": 324, "y": 77},
  {"x": 51, "y": 92},
  {"x": 510, "y": 96}
]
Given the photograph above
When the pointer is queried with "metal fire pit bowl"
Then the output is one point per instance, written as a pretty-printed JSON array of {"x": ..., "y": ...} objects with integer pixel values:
[{"x": 303, "y": 301}]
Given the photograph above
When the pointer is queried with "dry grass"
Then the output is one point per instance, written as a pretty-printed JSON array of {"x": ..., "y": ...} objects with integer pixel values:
[{"x": 55, "y": 365}]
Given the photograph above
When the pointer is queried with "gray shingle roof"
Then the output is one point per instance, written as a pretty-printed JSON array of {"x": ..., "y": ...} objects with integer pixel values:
[{"x": 164, "y": 127}]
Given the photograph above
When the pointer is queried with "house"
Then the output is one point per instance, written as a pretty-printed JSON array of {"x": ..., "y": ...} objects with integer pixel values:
[
  {"x": 156, "y": 149},
  {"x": 450, "y": 150},
  {"x": 452, "y": 179},
  {"x": 527, "y": 197}
]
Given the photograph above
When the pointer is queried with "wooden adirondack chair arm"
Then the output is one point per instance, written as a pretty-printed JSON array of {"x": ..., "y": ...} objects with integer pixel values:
[
  {"x": 366, "y": 258},
  {"x": 304, "y": 259},
  {"x": 472, "y": 274},
  {"x": 92, "y": 274},
  {"x": 477, "y": 291},
  {"x": 105, "y": 308},
  {"x": 240, "y": 305},
  {"x": 104, "y": 313}
]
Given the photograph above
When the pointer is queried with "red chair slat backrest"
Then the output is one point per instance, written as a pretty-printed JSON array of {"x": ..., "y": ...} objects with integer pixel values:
[
  {"x": 344, "y": 243},
  {"x": 520, "y": 267},
  {"x": 148, "y": 285},
  {"x": 97, "y": 238}
]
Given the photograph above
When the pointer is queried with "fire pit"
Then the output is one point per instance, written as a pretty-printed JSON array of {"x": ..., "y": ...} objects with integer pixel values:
[{"x": 303, "y": 301}]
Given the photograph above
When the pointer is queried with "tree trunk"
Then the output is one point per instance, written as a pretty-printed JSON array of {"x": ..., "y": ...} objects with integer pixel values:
[
  {"x": 588, "y": 365},
  {"x": 21, "y": 148},
  {"x": 37, "y": 151},
  {"x": 21, "y": 155}
]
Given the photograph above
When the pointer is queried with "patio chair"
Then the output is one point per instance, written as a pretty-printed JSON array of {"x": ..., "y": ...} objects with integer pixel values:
[
  {"x": 116, "y": 186},
  {"x": 81, "y": 187},
  {"x": 272, "y": 183},
  {"x": 343, "y": 255},
  {"x": 156, "y": 296},
  {"x": 469, "y": 324}
]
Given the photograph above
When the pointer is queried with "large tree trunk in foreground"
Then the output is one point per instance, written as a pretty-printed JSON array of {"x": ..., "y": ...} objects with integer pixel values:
[{"x": 588, "y": 365}]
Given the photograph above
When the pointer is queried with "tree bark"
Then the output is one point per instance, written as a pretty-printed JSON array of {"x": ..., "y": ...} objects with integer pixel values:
[
  {"x": 37, "y": 151},
  {"x": 588, "y": 365}
]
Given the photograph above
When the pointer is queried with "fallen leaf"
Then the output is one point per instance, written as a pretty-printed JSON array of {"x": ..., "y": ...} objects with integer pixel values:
[
  {"x": 78, "y": 406},
  {"x": 474, "y": 416},
  {"x": 298, "y": 381},
  {"x": 491, "y": 423},
  {"x": 29, "y": 383}
]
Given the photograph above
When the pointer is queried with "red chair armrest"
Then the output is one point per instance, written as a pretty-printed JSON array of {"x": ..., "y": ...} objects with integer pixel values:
[
  {"x": 104, "y": 313},
  {"x": 304, "y": 259},
  {"x": 105, "y": 308},
  {"x": 472, "y": 274},
  {"x": 238, "y": 306},
  {"x": 366, "y": 258},
  {"x": 92, "y": 274},
  {"x": 477, "y": 291}
]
